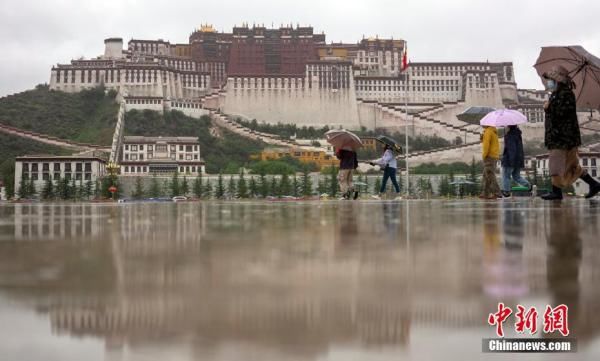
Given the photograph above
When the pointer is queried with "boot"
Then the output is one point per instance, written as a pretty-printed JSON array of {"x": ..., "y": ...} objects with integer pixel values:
[
  {"x": 594, "y": 185},
  {"x": 555, "y": 195}
]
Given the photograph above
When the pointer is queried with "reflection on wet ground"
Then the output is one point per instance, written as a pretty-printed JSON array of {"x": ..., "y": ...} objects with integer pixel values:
[{"x": 289, "y": 281}]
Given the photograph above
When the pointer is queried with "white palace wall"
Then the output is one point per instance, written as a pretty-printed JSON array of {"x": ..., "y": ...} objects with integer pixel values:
[{"x": 290, "y": 101}]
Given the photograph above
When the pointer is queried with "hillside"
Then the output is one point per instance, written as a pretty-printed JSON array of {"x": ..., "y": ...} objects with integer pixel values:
[
  {"x": 224, "y": 153},
  {"x": 87, "y": 117}
]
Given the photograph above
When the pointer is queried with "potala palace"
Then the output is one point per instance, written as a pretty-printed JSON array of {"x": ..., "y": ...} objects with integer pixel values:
[{"x": 292, "y": 75}]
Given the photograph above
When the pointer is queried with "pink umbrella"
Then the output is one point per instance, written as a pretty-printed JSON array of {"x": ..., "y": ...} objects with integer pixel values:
[{"x": 503, "y": 118}]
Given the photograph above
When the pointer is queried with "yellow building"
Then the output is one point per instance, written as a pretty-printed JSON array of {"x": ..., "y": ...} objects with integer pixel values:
[
  {"x": 183, "y": 50},
  {"x": 320, "y": 158},
  {"x": 371, "y": 143},
  {"x": 333, "y": 52}
]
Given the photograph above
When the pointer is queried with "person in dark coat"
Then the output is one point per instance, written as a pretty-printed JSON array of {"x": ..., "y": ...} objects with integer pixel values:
[
  {"x": 348, "y": 163},
  {"x": 513, "y": 160},
  {"x": 562, "y": 136}
]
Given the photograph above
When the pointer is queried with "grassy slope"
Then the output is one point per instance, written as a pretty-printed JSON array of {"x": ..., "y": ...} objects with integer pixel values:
[
  {"x": 88, "y": 116},
  {"x": 217, "y": 152}
]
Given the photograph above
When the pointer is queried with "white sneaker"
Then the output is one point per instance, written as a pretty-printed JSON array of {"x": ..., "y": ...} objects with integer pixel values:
[{"x": 376, "y": 197}]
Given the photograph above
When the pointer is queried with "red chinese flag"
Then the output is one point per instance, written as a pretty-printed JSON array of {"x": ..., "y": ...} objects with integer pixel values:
[{"x": 405, "y": 59}]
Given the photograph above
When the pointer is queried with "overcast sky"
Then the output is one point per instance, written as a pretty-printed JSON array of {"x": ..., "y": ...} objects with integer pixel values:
[{"x": 38, "y": 34}]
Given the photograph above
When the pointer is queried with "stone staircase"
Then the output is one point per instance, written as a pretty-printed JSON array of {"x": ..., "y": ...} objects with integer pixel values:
[
  {"x": 48, "y": 139},
  {"x": 118, "y": 134}
]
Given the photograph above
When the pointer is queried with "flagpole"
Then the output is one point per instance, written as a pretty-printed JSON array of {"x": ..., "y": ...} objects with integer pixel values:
[
  {"x": 404, "y": 67},
  {"x": 406, "y": 134}
]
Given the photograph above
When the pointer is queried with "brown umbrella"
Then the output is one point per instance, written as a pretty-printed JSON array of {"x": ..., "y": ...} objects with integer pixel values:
[
  {"x": 343, "y": 139},
  {"x": 583, "y": 68}
]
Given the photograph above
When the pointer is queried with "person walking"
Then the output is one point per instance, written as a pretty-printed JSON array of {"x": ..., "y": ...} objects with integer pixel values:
[
  {"x": 348, "y": 163},
  {"x": 562, "y": 136},
  {"x": 390, "y": 166},
  {"x": 513, "y": 160},
  {"x": 490, "y": 152}
]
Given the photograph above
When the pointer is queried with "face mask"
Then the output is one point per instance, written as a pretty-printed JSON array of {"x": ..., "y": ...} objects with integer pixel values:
[{"x": 551, "y": 84}]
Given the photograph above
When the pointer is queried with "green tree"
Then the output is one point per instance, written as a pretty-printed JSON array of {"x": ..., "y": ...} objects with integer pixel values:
[
  {"x": 296, "y": 187},
  {"x": 263, "y": 186},
  {"x": 220, "y": 190},
  {"x": 321, "y": 185},
  {"x": 253, "y": 188},
  {"x": 197, "y": 186},
  {"x": 208, "y": 189},
  {"x": 445, "y": 189},
  {"x": 23, "y": 192},
  {"x": 138, "y": 191},
  {"x": 175, "y": 186},
  {"x": 242, "y": 188},
  {"x": 48, "y": 190},
  {"x": 473, "y": 188},
  {"x": 154, "y": 190},
  {"x": 31, "y": 191},
  {"x": 62, "y": 188},
  {"x": 285, "y": 187},
  {"x": 424, "y": 187},
  {"x": 107, "y": 182},
  {"x": 306, "y": 184},
  {"x": 185, "y": 187},
  {"x": 97, "y": 189},
  {"x": 81, "y": 189},
  {"x": 377, "y": 185},
  {"x": 7, "y": 172},
  {"x": 73, "y": 190},
  {"x": 231, "y": 189},
  {"x": 274, "y": 188},
  {"x": 88, "y": 189},
  {"x": 333, "y": 182}
]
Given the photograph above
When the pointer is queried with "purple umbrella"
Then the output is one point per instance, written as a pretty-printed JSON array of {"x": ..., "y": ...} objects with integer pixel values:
[{"x": 503, "y": 118}]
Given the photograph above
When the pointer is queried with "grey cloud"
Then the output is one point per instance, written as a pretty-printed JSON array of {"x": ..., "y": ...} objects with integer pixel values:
[{"x": 40, "y": 33}]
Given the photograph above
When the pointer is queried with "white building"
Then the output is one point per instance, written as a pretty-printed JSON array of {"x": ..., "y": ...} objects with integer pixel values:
[
  {"x": 40, "y": 168},
  {"x": 483, "y": 82},
  {"x": 159, "y": 155},
  {"x": 378, "y": 57},
  {"x": 152, "y": 72}
]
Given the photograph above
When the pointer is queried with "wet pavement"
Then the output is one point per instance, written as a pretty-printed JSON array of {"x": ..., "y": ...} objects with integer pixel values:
[{"x": 292, "y": 280}]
